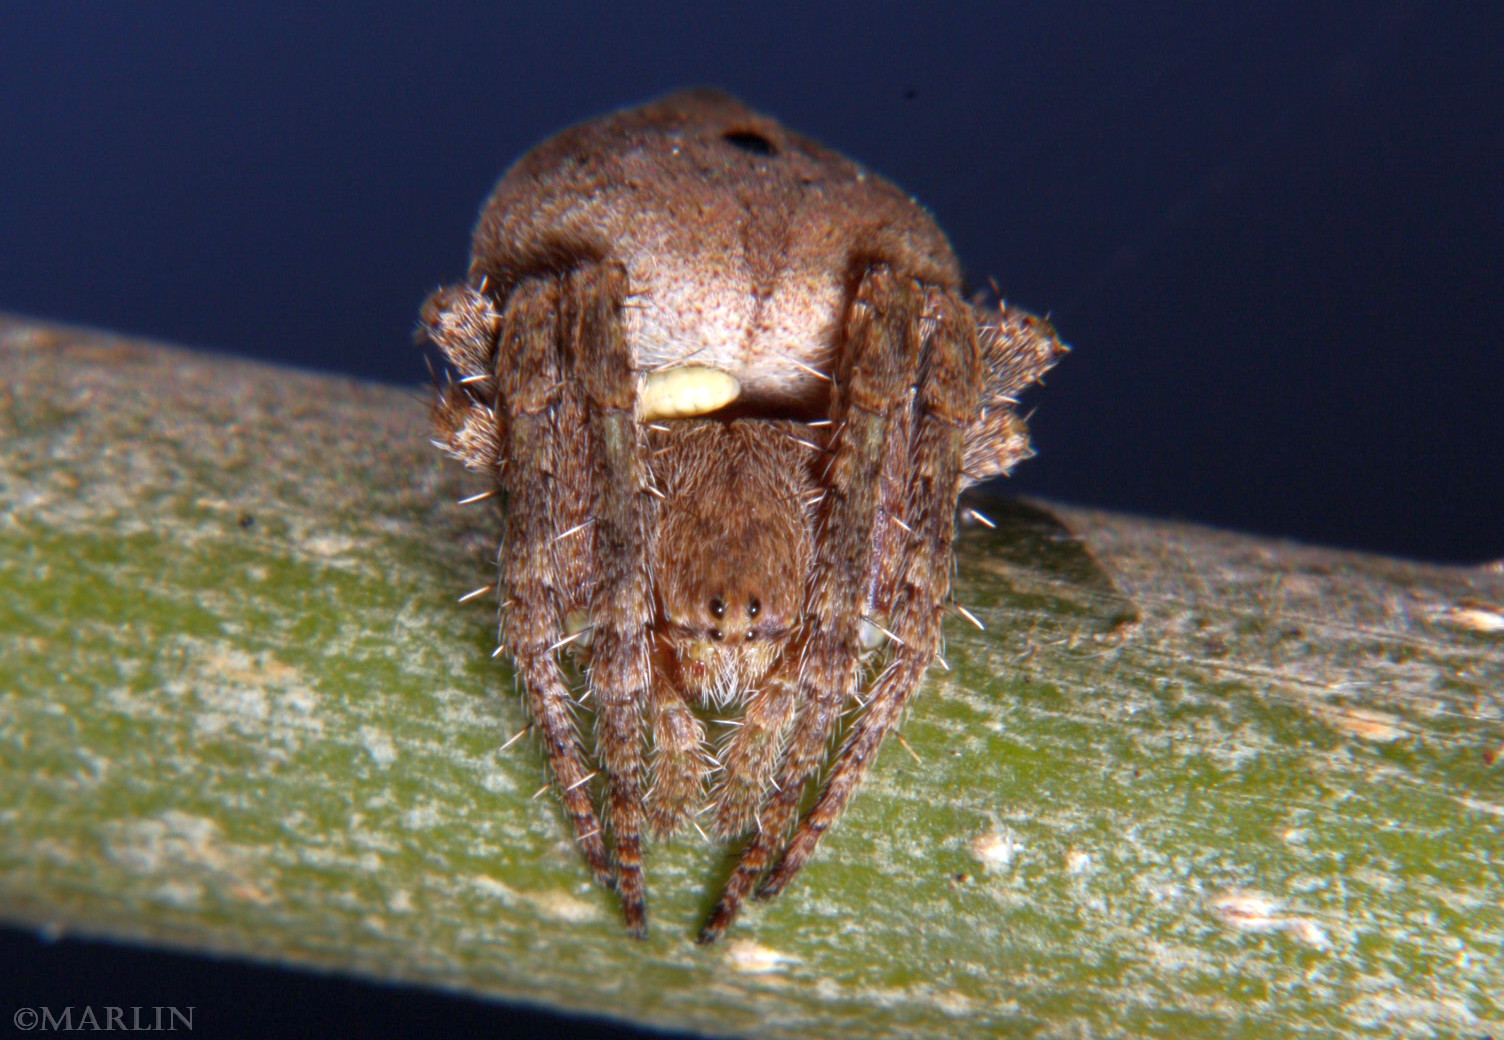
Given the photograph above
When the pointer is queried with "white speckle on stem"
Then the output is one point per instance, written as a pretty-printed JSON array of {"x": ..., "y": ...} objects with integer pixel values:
[
  {"x": 561, "y": 906},
  {"x": 752, "y": 958},
  {"x": 995, "y": 849},
  {"x": 1474, "y": 615},
  {"x": 421, "y": 818},
  {"x": 1246, "y": 910},
  {"x": 1250, "y": 911},
  {"x": 1370, "y": 725},
  {"x": 378, "y": 745}
]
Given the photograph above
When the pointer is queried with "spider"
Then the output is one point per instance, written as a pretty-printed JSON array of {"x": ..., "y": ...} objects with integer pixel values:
[{"x": 728, "y": 387}]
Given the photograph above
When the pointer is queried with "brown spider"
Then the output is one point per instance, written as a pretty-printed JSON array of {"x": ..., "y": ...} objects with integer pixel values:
[{"x": 728, "y": 386}]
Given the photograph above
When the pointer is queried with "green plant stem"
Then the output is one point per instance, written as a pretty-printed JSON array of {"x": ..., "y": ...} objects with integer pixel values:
[{"x": 1186, "y": 782}]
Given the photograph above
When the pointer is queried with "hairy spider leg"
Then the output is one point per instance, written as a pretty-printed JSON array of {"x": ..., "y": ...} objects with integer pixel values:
[
  {"x": 945, "y": 402},
  {"x": 463, "y": 324},
  {"x": 751, "y": 752},
  {"x": 679, "y": 763},
  {"x": 531, "y": 387},
  {"x": 621, "y": 608},
  {"x": 1017, "y": 348},
  {"x": 772, "y": 478},
  {"x": 880, "y": 361}
]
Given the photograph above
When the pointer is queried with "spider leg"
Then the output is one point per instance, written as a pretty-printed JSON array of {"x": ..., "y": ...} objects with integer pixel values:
[
  {"x": 621, "y": 602},
  {"x": 880, "y": 365},
  {"x": 532, "y": 389},
  {"x": 679, "y": 763},
  {"x": 462, "y": 323},
  {"x": 750, "y": 753},
  {"x": 1017, "y": 349},
  {"x": 945, "y": 404}
]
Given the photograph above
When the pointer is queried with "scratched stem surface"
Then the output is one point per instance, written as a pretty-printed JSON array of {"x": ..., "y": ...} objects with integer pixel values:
[{"x": 1186, "y": 783}]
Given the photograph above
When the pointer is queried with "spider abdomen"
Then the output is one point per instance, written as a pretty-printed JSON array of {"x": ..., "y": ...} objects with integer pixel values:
[{"x": 741, "y": 239}]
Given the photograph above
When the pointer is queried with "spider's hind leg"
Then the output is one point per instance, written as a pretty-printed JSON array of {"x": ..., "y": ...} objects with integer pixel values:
[{"x": 1017, "y": 349}]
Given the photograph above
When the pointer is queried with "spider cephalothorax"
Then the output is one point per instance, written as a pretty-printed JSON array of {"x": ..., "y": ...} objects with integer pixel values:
[{"x": 728, "y": 386}]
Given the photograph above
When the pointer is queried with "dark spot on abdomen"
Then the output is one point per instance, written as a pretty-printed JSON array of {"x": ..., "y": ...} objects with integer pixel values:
[{"x": 749, "y": 141}]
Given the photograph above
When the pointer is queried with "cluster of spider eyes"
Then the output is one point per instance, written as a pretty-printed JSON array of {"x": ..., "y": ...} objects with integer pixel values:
[{"x": 718, "y": 610}]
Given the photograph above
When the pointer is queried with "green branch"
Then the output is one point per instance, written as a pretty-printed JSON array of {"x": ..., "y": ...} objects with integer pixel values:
[{"x": 1186, "y": 783}]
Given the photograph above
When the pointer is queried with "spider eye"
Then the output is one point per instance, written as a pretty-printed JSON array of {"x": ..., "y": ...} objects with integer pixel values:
[
  {"x": 754, "y": 607},
  {"x": 751, "y": 635},
  {"x": 717, "y": 607},
  {"x": 717, "y": 634}
]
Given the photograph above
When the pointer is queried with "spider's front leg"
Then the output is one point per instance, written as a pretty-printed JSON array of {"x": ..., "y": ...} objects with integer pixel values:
[
  {"x": 914, "y": 574},
  {"x": 546, "y": 401},
  {"x": 882, "y": 347},
  {"x": 621, "y": 605},
  {"x": 540, "y": 567}
]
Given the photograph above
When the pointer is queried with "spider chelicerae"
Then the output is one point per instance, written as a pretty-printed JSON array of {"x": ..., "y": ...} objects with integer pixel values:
[{"x": 729, "y": 389}]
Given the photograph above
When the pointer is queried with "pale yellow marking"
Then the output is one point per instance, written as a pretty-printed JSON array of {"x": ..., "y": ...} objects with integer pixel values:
[{"x": 677, "y": 393}]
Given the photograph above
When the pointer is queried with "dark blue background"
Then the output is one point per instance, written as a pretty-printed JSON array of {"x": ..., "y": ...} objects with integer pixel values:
[{"x": 1274, "y": 232}]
